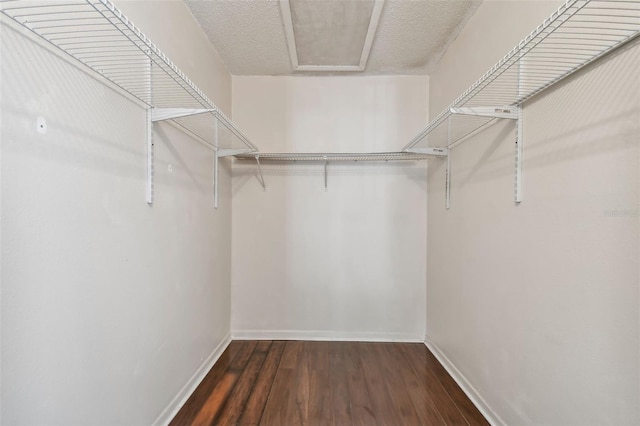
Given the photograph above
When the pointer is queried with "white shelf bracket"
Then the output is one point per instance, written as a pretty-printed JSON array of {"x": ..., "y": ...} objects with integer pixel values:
[
  {"x": 447, "y": 188},
  {"x": 216, "y": 158},
  {"x": 215, "y": 178},
  {"x": 260, "y": 176},
  {"x": 149, "y": 186},
  {"x": 519, "y": 138},
  {"x": 149, "y": 138},
  {"x": 232, "y": 152},
  {"x": 508, "y": 112},
  {"x": 448, "y": 184},
  {"x": 161, "y": 114},
  {"x": 435, "y": 151},
  {"x": 326, "y": 164}
]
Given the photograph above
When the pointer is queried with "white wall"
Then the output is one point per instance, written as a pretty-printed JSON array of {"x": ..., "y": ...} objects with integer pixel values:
[
  {"x": 347, "y": 263},
  {"x": 109, "y": 306},
  {"x": 537, "y": 305}
]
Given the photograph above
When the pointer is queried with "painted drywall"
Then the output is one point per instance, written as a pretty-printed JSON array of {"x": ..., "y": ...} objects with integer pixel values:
[
  {"x": 109, "y": 306},
  {"x": 345, "y": 263},
  {"x": 537, "y": 305}
]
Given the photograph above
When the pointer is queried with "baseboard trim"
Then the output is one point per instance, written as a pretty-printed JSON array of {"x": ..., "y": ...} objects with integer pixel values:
[
  {"x": 325, "y": 335},
  {"x": 464, "y": 384},
  {"x": 183, "y": 394}
]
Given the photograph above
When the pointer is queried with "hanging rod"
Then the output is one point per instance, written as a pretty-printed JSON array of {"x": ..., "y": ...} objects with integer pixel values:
[
  {"x": 336, "y": 156},
  {"x": 327, "y": 157}
]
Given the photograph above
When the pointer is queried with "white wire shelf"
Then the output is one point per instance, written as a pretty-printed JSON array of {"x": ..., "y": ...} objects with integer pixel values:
[
  {"x": 327, "y": 157},
  {"x": 575, "y": 35},
  {"x": 100, "y": 36},
  {"x": 339, "y": 157}
]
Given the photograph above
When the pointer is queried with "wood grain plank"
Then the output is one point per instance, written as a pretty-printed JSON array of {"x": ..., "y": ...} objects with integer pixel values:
[
  {"x": 298, "y": 404},
  {"x": 292, "y": 352},
  {"x": 464, "y": 404},
  {"x": 338, "y": 385},
  {"x": 263, "y": 345},
  {"x": 199, "y": 397},
  {"x": 243, "y": 355},
  {"x": 317, "y": 354},
  {"x": 275, "y": 410},
  {"x": 362, "y": 407},
  {"x": 446, "y": 406},
  {"x": 232, "y": 410},
  {"x": 423, "y": 403},
  {"x": 319, "y": 402},
  {"x": 263, "y": 385},
  {"x": 400, "y": 397},
  {"x": 352, "y": 361},
  {"x": 377, "y": 385},
  {"x": 216, "y": 400},
  {"x": 363, "y": 410}
]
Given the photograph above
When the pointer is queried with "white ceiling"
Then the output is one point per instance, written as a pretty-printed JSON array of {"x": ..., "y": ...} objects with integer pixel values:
[{"x": 410, "y": 37}]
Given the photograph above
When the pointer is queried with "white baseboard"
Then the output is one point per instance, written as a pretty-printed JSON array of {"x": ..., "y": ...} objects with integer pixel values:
[
  {"x": 183, "y": 395},
  {"x": 326, "y": 335},
  {"x": 464, "y": 384}
]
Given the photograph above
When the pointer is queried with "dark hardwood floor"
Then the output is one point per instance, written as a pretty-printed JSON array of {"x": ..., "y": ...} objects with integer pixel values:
[{"x": 327, "y": 383}]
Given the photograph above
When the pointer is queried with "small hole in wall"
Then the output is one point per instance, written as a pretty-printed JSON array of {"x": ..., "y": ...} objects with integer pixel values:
[{"x": 41, "y": 125}]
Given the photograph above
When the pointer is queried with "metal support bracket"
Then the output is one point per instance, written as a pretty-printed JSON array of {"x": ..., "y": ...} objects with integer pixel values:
[
  {"x": 326, "y": 164},
  {"x": 149, "y": 187},
  {"x": 216, "y": 163},
  {"x": 447, "y": 188},
  {"x": 161, "y": 114},
  {"x": 260, "y": 176},
  {"x": 149, "y": 137},
  {"x": 435, "y": 151},
  {"x": 509, "y": 112},
  {"x": 519, "y": 139},
  {"x": 231, "y": 152},
  {"x": 215, "y": 178},
  {"x": 447, "y": 184},
  {"x": 518, "y": 175}
]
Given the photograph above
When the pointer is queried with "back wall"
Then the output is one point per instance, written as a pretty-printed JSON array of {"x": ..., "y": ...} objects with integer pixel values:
[{"x": 348, "y": 262}]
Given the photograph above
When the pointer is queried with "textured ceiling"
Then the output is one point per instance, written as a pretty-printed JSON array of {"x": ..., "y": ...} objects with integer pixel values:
[{"x": 410, "y": 38}]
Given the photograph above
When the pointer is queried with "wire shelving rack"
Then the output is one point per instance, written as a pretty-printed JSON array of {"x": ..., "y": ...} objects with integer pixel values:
[
  {"x": 100, "y": 36},
  {"x": 578, "y": 33},
  {"x": 341, "y": 157}
]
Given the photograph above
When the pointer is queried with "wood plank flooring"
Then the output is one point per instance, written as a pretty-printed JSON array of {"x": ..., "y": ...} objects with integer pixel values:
[{"x": 327, "y": 383}]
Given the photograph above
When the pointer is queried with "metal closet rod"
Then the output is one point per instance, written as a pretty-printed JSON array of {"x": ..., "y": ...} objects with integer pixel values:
[
  {"x": 327, "y": 157},
  {"x": 336, "y": 156}
]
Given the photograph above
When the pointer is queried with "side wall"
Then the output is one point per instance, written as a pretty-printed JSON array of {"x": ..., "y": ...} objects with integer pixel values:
[
  {"x": 348, "y": 262},
  {"x": 109, "y": 306},
  {"x": 537, "y": 305}
]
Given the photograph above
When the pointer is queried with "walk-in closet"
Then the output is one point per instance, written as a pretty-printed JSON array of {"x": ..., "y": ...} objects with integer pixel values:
[{"x": 319, "y": 212}]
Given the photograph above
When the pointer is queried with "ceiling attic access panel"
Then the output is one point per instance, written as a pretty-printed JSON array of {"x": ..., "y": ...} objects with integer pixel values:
[{"x": 330, "y": 35}]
